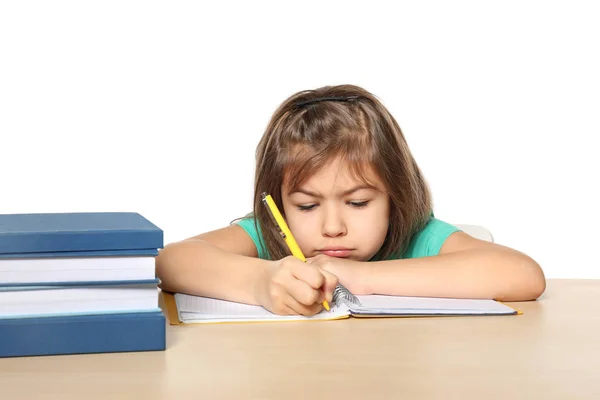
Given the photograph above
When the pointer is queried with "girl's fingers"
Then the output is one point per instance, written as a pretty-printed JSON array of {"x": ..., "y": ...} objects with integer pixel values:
[
  {"x": 330, "y": 282},
  {"x": 302, "y": 292},
  {"x": 307, "y": 273},
  {"x": 302, "y": 309},
  {"x": 288, "y": 311}
]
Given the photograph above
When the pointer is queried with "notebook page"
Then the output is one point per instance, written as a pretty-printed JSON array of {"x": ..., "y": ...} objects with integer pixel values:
[
  {"x": 379, "y": 304},
  {"x": 203, "y": 309}
]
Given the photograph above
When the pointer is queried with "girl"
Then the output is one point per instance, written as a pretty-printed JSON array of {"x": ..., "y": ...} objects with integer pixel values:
[{"x": 338, "y": 167}]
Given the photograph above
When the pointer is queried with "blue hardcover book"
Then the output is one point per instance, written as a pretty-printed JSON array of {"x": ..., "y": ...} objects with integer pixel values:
[
  {"x": 27, "y": 234},
  {"x": 80, "y": 284},
  {"x": 83, "y": 334},
  {"x": 83, "y": 254}
]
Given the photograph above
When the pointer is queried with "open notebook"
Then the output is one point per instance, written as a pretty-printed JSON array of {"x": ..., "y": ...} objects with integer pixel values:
[{"x": 185, "y": 309}]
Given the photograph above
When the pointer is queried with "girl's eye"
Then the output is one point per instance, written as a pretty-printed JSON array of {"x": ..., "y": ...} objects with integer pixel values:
[
  {"x": 359, "y": 204},
  {"x": 307, "y": 207}
]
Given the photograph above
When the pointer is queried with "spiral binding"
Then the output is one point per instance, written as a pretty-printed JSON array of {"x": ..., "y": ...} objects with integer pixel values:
[{"x": 343, "y": 295}]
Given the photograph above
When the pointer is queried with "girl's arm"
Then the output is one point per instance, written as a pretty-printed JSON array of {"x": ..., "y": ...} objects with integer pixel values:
[
  {"x": 222, "y": 264},
  {"x": 465, "y": 267}
]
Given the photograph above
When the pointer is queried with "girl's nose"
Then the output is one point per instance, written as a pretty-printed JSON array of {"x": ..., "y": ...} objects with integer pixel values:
[{"x": 333, "y": 224}]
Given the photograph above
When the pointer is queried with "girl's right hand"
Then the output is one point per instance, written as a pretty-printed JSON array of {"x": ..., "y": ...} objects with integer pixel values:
[{"x": 290, "y": 286}]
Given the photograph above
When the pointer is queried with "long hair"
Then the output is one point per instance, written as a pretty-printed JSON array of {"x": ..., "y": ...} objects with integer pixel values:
[{"x": 311, "y": 128}]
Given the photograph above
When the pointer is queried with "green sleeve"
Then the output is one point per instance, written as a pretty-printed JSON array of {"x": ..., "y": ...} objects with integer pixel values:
[
  {"x": 248, "y": 224},
  {"x": 430, "y": 239}
]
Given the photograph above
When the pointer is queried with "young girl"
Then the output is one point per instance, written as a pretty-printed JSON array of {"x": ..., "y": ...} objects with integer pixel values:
[{"x": 338, "y": 167}]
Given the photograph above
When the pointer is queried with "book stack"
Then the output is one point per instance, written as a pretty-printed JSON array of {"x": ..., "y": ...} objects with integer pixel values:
[{"x": 76, "y": 283}]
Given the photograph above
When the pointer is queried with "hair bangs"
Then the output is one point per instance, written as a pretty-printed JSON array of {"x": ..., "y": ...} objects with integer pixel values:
[{"x": 300, "y": 162}]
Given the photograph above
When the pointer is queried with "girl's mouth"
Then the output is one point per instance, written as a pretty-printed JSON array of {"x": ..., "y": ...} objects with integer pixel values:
[{"x": 336, "y": 251}]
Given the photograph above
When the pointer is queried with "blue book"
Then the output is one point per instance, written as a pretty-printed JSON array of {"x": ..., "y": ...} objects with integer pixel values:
[
  {"x": 27, "y": 234},
  {"x": 83, "y": 254},
  {"x": 81, "y": 284},
  {"x": 83, "y": 334}
]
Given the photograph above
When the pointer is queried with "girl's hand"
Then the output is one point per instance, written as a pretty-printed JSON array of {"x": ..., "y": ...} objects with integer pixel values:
[
  {"x": 351, "y": 273},
  {"x": 290, "y": 286}
]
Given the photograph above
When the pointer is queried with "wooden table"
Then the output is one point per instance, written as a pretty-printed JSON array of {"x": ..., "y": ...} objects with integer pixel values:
[{"x": 550, "y": 352}]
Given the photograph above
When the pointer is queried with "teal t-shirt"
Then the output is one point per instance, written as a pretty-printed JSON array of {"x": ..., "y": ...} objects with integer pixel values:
[{"x": 424, "y": 243}]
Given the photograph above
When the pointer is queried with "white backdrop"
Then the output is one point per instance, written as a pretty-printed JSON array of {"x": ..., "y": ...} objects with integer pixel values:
[{"x": 157, "y": 107}]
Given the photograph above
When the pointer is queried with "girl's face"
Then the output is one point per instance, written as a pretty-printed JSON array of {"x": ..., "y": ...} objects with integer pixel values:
[{"x": 335, "y": 214}]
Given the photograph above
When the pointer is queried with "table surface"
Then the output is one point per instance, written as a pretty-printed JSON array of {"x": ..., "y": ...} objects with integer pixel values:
[{"x": 552, "y": 351}]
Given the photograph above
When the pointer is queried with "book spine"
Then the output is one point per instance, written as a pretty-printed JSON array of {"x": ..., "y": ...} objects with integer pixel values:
[
  {"x": 78, "y": 284},
  {"x": 49, "y": 242},
  {"x": 103, "y": 333},
  {"x": 82, "y": 254}
]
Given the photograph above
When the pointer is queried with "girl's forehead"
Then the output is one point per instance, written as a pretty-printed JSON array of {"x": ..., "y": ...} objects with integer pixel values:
[{"x": 337, "y": 173}]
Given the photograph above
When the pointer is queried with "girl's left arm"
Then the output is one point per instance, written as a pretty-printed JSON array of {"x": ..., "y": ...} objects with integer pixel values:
[{"x": 465, "y": 267}]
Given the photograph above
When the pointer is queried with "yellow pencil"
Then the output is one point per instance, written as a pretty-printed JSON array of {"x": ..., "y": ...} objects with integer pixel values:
[{"x": 285, "y": 231}]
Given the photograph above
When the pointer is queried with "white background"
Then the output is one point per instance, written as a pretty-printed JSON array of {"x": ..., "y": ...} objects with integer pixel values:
[{"x": 157, "y": 107}]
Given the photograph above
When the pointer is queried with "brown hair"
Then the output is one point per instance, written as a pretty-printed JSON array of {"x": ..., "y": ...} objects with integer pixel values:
[{"x": 310, "y": 128}]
